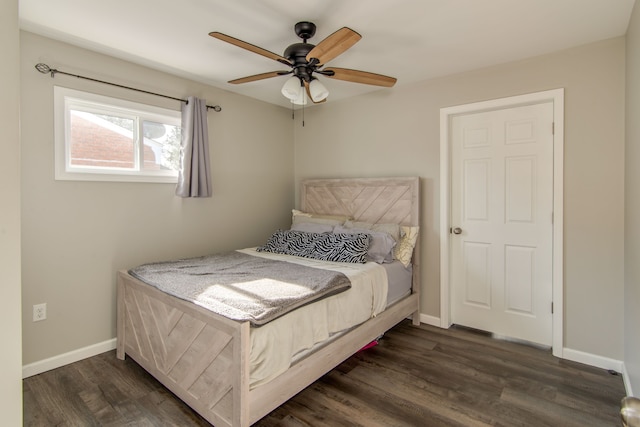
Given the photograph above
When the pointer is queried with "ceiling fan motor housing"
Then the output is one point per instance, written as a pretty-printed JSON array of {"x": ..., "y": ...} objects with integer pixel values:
[
  {"x": 297, "y": 55},
  {"x": 297, "y": 52}
]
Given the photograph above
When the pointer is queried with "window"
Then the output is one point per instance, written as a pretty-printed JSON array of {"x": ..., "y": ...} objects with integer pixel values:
[{"x": 98, "y": 138}]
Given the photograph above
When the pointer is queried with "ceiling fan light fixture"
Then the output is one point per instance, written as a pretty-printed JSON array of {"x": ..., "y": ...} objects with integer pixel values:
[
  {"x": 292, "y": 88},
  {"x": 317, "y": 90},
  {"x": 302, "y": 99}
]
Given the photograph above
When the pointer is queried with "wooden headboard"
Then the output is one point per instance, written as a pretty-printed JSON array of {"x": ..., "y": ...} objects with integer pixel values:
[{"x": 373, "y": 200}]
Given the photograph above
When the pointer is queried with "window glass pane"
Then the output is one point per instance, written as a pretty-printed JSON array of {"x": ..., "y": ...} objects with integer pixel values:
[
  {"x": 99, "y": 138},
  {"x": 101, "y": 141},
  {"x": 161, "y": 146}
]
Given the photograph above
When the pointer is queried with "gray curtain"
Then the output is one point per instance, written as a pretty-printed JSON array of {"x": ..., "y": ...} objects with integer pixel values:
[{"x": 194, "y": 179}]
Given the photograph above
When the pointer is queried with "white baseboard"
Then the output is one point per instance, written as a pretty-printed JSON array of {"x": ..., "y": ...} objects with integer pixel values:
[
  {"x": 429, "y": 320},
  {"x": 592, "y": 359},
  {"x": 627, "y": 381},
  {"x": 54, "y": 362}
]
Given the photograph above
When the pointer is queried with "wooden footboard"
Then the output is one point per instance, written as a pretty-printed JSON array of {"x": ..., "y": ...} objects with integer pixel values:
[{"x": 201, "y": 357}]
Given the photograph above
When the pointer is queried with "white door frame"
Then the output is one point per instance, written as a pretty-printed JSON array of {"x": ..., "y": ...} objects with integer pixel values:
[{"x": 557, "y": 97}]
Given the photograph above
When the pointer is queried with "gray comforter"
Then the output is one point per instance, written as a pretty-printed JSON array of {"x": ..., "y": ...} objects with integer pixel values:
[{"x": 243, "y": 287}]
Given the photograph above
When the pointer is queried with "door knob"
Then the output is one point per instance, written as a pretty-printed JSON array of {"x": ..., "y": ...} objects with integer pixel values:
[{"x": 457, "y": 230}]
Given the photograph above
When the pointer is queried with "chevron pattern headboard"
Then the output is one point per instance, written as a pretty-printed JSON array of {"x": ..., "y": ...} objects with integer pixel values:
[{"x": 374, "y": 200}]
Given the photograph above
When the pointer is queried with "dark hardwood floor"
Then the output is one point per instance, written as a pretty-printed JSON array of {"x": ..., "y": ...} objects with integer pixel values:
[{"x": 416, "y": 376}]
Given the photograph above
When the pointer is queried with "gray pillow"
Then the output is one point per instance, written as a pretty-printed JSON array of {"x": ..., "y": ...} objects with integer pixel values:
[
  {"x": 312, "y": 227},
  {"x": 381, "y": 244},
  {"x": 392, "y": 229}
]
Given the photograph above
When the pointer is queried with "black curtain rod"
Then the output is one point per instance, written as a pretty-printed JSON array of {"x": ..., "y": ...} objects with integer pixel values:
[{"x": 44, "y": 69}]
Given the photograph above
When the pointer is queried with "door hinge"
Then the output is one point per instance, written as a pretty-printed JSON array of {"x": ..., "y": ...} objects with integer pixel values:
[
  {"x": 551, "y": 307},
  {"x": 553, "y": 128}
]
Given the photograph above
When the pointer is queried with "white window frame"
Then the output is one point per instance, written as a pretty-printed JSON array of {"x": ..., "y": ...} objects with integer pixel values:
[{"x": 65, "y": 99}]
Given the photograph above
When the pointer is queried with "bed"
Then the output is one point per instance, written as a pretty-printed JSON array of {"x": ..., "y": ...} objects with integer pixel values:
[{"x": 205, "y": 358}]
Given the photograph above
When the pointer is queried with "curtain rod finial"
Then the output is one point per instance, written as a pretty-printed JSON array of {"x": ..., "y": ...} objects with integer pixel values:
[{"x": 44, "y": 69}]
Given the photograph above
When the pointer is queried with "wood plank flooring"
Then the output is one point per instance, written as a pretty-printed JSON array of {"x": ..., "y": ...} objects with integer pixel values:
[{"x": 416, "y": 376}]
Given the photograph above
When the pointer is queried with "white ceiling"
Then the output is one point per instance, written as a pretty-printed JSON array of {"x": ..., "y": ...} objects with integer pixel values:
[{"x": 411, "y": 40}]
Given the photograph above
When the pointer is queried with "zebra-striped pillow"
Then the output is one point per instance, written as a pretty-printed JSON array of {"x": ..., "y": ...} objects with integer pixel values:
[{"x": 338, "y": 247}]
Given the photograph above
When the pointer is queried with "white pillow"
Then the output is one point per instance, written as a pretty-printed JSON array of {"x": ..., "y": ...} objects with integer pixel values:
[
  {"x": 312, "y": 227},
  {"x": 300, "y": 217}
]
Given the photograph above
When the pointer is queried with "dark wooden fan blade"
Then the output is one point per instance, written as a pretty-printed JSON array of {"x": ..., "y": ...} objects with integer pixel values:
[
  {"x": 250, "y": 47},
  {"x": 334, "y": 45},
  {"x": 356, "y": 76},
  {"x": 259, "y": 77}
]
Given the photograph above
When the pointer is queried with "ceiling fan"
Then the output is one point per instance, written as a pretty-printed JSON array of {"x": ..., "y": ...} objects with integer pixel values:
[{"x": 307, "y": 60}]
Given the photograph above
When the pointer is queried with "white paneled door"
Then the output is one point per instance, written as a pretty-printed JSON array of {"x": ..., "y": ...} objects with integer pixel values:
[{"x": 502, "y": 221}]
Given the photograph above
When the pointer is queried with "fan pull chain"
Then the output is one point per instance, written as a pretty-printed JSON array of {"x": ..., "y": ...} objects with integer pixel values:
[{"x": 293, "y": 111}]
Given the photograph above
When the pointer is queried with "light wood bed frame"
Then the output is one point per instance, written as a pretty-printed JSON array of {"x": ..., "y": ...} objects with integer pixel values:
[{"x": 203, "y": 358}]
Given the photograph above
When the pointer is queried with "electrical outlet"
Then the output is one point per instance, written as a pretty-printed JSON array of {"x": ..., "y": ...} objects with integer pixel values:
[{"x": 39, "y": 312}]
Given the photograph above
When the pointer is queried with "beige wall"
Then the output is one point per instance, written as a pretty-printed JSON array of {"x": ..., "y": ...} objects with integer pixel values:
[
  {"x": 75, "y": 235},
  {"x": 396, "y": 132},
  {"x": 632, "y": 206},
  {"x": 10, "y": 356}
]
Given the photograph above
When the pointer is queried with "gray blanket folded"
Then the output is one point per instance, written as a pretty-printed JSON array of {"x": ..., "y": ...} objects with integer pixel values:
[{"x": 243, "y": 287}]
